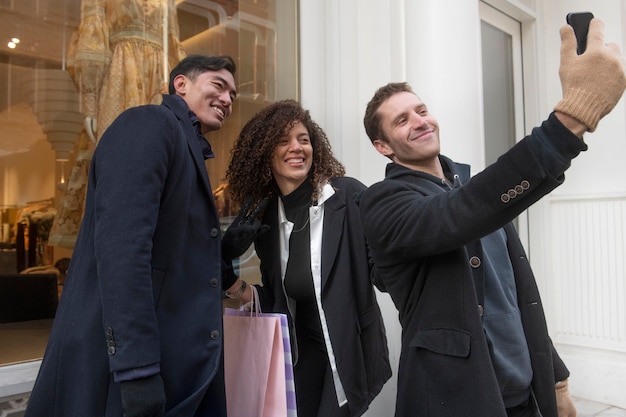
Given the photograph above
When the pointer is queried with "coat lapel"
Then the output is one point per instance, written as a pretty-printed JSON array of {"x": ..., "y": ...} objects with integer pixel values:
[
  {"x": 181, "y": 113},
  {"x": 334, "y": 210},
  {"x": 270, "y": 242}
]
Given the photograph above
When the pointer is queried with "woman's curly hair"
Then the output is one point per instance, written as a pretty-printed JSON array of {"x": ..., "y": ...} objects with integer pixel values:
[{"x": 249, "y": 173}]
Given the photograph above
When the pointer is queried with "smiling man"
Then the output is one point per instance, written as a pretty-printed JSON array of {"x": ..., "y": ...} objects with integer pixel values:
[
  {"x": 474, "y": 337},
  {"x": 138, "y": 331}
]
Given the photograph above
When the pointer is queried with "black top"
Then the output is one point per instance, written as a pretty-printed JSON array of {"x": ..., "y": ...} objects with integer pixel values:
[{"x": 298, "y": 277}]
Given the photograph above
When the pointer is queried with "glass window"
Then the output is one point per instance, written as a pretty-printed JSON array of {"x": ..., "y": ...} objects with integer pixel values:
[{"x": 45, "y": 97}]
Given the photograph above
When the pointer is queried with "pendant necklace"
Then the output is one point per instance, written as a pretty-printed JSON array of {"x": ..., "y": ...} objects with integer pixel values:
[{"x": 303, "y": 226}]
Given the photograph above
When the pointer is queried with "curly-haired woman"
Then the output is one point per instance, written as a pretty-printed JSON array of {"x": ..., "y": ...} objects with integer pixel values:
[{"x": 314, "y": 259}]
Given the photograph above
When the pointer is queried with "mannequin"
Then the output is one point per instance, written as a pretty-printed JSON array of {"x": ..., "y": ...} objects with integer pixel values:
[
  {"x": 70, "y": 209},
  {"x": 120, "y": 56}
]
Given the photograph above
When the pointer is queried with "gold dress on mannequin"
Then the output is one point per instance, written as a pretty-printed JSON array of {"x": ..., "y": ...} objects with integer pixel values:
[
  {"x": 70, "y": 209},
  {"x": 117, "y": 60}
]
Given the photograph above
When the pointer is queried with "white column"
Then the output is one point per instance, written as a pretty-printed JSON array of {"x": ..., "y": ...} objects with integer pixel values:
[{"x": 443, "y": 64}]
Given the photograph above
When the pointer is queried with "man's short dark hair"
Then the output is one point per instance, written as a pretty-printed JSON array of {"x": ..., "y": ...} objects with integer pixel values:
[
  {"x": 194, "y": 65},
  {"x": 371, "y": 120}
]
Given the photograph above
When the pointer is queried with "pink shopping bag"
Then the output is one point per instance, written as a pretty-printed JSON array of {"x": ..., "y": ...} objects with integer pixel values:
[{"x": 254, "y": 365}]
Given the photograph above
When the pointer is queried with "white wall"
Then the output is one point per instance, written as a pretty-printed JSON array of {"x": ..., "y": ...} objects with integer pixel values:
[
  {"x": 348, "y": 51},
  {"x": 579, "y": 261}
]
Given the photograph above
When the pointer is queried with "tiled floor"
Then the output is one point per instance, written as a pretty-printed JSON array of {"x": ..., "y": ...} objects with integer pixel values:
[{"x": 586, "y": 408}]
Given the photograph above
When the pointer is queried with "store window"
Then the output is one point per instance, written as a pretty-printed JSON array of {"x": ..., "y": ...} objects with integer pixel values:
[{"x": 46, "y": 102}]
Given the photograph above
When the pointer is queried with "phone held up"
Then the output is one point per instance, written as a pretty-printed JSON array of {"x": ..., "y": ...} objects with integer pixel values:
[{"x": 580, "y": 23}]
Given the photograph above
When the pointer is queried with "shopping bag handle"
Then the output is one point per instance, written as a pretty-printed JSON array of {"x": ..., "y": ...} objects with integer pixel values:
[{"x": 254, "y": 305}]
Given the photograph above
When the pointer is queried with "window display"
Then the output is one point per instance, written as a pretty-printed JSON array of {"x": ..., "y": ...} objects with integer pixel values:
[{"x": 70, "y": 67}]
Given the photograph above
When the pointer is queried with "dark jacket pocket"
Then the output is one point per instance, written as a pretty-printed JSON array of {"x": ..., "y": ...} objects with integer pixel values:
[{"x": 452, "y": 342}]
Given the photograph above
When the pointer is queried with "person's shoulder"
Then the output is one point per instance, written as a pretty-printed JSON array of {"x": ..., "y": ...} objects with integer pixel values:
[
  {"x": 140, "y": 123},
  {"x": 385, "y": 183},
  {"x": 347, "y": 183},
  {"x": 147, "y": 113},
  {"x": 348, "y": 189},
  {"x": 382, "y": 189}
]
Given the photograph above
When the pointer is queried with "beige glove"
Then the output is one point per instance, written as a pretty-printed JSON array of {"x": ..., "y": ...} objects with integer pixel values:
[
  {"x": 564, "y": 403},
  {"x": 592, "y": 82}
]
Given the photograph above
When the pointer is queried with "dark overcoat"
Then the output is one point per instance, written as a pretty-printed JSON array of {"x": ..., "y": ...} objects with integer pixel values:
[
  {"x": 353, "y": 316},
  {"x": 426, "y": 247},
  {"x": 144, "y": 283}
]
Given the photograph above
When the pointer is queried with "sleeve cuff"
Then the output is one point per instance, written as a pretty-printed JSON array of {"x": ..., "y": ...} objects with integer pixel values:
[{"x": 137, "y": 373}]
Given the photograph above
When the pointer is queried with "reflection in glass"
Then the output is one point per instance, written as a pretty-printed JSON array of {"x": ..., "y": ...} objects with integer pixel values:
[{"x": 62, "y": 63}]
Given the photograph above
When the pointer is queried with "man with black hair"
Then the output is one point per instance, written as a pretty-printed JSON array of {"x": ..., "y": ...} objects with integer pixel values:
[{"x": 138, "y": 331}]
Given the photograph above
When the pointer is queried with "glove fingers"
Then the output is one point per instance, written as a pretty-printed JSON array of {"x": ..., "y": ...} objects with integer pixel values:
[
  {"x": 595, "y": 37},
  {"x": 568, "y": 42},
  {"x": 593, "y": 82},
  {"x": 259, "y": 228},
  {"x": 246, "y": 204},
  {"x": 258, "y": 209},
  {"x": 242, "y": 216}
]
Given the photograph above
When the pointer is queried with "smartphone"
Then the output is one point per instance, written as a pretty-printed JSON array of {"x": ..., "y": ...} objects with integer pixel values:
[{"x": 580, "y": 23}]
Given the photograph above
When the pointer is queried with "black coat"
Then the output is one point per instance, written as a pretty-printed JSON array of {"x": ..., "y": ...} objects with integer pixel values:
[
  {"x": 425, "y": 242},
  {"x": 354, "y": 320},
  {"x": 144, "y": 284}
]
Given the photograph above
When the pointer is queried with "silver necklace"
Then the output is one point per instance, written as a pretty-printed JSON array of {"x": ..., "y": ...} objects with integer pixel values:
[{"x": 304, "y": 225}]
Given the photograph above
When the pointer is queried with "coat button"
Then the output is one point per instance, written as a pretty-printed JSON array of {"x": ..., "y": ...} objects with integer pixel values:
[
  {"x": 512, "y": 193},
  {"x": 111, "y": 350},
  {"x": 215, "y": 334},
  {"x": 525, "y": 184},
  {"x": 481, "y": 310},
  {"x": 109, "y": 331},
  {"x": 505, "y": 198},
  {"x": 475, "y": 261},
  {"x": 214, "y": 282},
  {"x": 215, "y": 232},
  {"x": 519, "y": 189}
]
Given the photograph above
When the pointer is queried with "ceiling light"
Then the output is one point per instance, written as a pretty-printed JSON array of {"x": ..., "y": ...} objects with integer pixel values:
[{"x": 13, "y": 43}]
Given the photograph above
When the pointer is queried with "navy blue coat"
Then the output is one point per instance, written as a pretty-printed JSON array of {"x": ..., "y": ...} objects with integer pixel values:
[
  {"x": 144, "y": 284},
  {"x": 427, "y": 253}
]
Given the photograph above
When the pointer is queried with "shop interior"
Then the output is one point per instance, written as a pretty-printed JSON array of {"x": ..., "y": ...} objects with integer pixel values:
[{"x": 46, "y": 135}]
